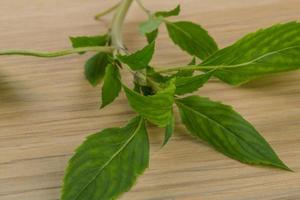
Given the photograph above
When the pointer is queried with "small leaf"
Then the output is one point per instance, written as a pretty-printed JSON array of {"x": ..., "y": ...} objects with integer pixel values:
[
  {"x": 112, "y": 85},
  {"x": 157, "y": 108},
  {"x": 140, "y": 59},
  {"x": 89, "y": 41},
  {"x": 150, "y": 25},
  {"x": 226, "y": 131},
  {"x": 151, "y": 37},
  {"x": 192, "y": 38},
  {"x": 169, "y": 130},
  {"x": 272, "y": 50},
  {"x": 173, "y": 12},
  {"x": 95, "y": 68},
  {"x": 185, "y": 85},
  {"x": 108, "y": 163}
]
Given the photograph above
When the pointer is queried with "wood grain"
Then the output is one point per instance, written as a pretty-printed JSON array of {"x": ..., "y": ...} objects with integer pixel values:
[{"x": 47, "y": 107}]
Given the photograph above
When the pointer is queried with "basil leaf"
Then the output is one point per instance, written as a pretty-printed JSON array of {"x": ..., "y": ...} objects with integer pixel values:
[
  {"x": 169, "y": 130},
  {"x": 185, "y": 85},
  {"x": 173, "y": 12},
  {"x": 157, "y": 108},
  {"x": 151, "y": 37},
  {"x": 112, "y": 85},
  {"x": 272, "y": 50},
  {"x": 95, "y": 68},
  {"x": 108, "y": 163},
  {"x": 192, "y": 38},
  {"x": 150, "y": 25},
  {"x": 226, "y": 131},
  {"x": 89, "y": 41},
  {"x": 140, "y": 59}
]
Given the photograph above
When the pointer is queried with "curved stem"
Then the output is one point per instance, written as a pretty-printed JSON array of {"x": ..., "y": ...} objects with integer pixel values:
[
  {"x": 109, "y": 10},
  {"x": 51, "y": 54},
  {"x": 117, "y": 24}
]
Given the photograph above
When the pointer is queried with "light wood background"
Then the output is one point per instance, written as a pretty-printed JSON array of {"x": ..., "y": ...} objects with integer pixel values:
[{"x": 47, "y": 107}]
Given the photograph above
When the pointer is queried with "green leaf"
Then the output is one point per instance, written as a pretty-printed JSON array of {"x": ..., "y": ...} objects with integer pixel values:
[
  {"x": 192, "y": 38},
  {"x": 95, "y": 68},
  {"x": 272, "y": 50},
  {"x": 140, "y": 59},
  {"x": 157, "y": 108},
  {"x": 150, "y": 25},
  {"x": 151, "y": 37},
  {"x": 169, "y": 130},
  {"x": 108, "y": 163},
  {"x": 173, "y": 12},
  {"x": 185, "y": 85},
  {"x": 89, "y": 41},
  {"x": 226, "y": 131},
  {"x": 112, "y": 85}
]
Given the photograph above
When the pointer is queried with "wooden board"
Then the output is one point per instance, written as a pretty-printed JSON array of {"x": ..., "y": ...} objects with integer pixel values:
[{"x": 47, "y": 107}]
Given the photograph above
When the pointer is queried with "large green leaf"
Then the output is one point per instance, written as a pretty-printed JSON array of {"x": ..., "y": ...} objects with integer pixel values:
[
  {"x": 107, "y": 163},
  {"x": 189, "y": 84},
  {"x": 95, "y": 68},
  {"x": 272, "y": 50},
  {"x": 111, "y": 86},
  {"x": 140, "y": 59},
  {"x": 226, "y": 131},
  {"x": 192, "y": 38},
  {"x": 156, "y": 108}
]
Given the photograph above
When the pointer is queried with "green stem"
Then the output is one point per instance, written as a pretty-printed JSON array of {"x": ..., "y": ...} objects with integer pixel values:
[
  {"x": 109, "y": 10},
  {"x": 117, "y": 40},
  {"x": 51, "y": 54},
  {"x": 189, "y": 67},
  {"x": 117, "y": 24}
]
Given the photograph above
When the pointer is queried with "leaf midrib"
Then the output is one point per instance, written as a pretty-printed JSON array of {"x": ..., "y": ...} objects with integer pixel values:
[{"x": 111, "y": 159}]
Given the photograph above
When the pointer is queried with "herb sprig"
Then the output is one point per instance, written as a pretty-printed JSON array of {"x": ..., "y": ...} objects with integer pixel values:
[{"x": 108, "y": 163}]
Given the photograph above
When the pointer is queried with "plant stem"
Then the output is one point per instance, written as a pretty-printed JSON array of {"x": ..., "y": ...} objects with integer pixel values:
[
  {"x": 51, "y": 54},
  {"x": 117, "y": 24},
  {"x": 117, "y": 39},
  {"x": 185, "y": 68},
  {"x": 148, "y": 12},
  {"x": 109, "y": 10}
]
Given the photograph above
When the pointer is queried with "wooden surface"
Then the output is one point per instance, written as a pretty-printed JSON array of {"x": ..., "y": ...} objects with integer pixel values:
[{"x": 47, "y": 107}]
